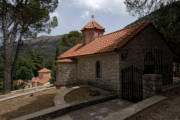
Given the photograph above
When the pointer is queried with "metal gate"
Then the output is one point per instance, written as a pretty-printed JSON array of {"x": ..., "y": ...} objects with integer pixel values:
[
  {"x": 132, "y": 88},
  {"x": 155, "y": 63}
]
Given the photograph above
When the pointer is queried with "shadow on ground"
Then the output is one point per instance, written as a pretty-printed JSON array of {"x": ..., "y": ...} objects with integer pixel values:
[{"x": 97, "y": 112}]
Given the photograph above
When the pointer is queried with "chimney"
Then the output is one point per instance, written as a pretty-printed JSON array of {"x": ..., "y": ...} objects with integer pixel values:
[{"x": 91, "y": 31}]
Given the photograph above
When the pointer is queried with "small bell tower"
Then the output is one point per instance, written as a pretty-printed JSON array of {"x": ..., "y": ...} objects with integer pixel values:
[{"x": 91, "y": 31}]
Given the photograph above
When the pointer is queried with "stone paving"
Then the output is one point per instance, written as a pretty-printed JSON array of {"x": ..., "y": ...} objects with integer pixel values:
[
  {"x": 59, "y": 98},
  {"x": 97, "y": 112}
]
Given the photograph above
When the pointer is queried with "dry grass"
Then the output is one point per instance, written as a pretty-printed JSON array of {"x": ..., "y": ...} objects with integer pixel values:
[
  {"x": 27, "y": 104},
  {"x": 84, "y": 93}
]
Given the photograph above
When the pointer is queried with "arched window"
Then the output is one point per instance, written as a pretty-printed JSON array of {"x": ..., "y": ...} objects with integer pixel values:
[{"x": 98, "y": 69}]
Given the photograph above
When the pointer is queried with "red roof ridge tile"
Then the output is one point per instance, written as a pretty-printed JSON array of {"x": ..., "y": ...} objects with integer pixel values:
[
  {"x": 139, "y": 26},
  {"x": 64, "y": 61},
  {"x": 127, "y": 27},
  {"x": 44, "y": 70}
]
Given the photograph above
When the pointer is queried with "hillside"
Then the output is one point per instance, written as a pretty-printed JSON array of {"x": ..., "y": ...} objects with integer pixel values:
[
  {"x": 167, "y": 21},
  {"x": 45, "y": 45}
]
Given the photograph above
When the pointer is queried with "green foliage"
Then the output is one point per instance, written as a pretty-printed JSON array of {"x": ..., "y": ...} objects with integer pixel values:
[
  {"x": 167, "y": 21},
  {"x": 50, "y": 64},
  {"x": 1, "y": 85},
  {"x": 44, "y": 45},
  {"x": 24, "y": 73},
  {"x": 37, "y": 61},
  {"x": 68, "y": 41},
  {"x": 27, "y": 67},
  {"x": 24, "y": 69},
  {"x": 33, "y": 15},
  {"x": 144, "y": 7},
  {"x": 22, "y": 19}
]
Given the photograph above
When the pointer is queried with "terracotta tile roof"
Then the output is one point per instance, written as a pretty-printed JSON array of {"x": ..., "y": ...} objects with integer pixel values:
[
  {"x": 93, "y": 24},
  {"x": 64, "y": 61},
  {"x": 44, "y": 70},
  {"x": 106, "y": 43},
  {"x": 41, "y": 80}
]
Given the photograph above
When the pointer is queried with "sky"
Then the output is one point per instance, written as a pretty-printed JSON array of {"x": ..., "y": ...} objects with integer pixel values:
[{"x": 74, "y": 14}]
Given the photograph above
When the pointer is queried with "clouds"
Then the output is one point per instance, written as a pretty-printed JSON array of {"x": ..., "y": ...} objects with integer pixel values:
[
  {"x": 107, "y": 6},
  {"x": 74, "y": 14},
  {"x": 54, "y": 14},
  {"x": 86, "y": 14}
]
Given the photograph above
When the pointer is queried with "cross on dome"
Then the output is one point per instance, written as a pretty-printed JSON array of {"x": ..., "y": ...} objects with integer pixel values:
[{"x": 92, "y": 16}]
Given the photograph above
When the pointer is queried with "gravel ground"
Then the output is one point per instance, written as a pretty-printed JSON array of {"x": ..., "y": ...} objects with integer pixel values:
[
  {"x": 27, "y": 104},
  {"x": 166, "y": 110}
]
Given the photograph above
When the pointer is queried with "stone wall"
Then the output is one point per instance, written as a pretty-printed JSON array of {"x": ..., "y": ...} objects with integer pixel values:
[
  {"x": 155, "y": 40},
  {"x": 152, "y": 85},
  {"x": 65, "y": 74},
  {"x": 148, "y": 38},
  {"x": 176, "y": 70},
  {"x": 109, "y": 65},
  {"x": 135, "y": 50},
  {"x": 44, "y": 75}
]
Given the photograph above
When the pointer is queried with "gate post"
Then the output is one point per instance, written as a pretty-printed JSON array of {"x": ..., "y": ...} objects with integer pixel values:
[{"x": 152, "y": 85}]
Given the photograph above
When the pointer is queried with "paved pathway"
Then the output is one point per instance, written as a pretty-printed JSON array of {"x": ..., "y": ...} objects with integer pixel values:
[
  {"x": 59, "y": 98},
  {"x": 96, "y": 112}
]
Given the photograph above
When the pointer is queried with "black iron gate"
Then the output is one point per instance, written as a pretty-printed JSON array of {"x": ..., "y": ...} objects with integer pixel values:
[
  {"x": 132, "y": 88},
  {"x": 155, "y": 63}
]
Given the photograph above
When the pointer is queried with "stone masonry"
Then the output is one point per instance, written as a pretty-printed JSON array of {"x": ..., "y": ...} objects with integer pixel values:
[
  {"x": 65, "y": 74},
  {"x": 152, "y": 85},
  {"x": 111, "y": 64},
  {"x": 109, "y": 70}
]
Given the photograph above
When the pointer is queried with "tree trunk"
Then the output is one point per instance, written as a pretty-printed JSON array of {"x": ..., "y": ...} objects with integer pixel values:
[
  {"x": 13, "y": 70},
  {"x": 7, "y": 65},
  {"x": 7, "y": 52},
  {"x": 12, "y": 41},
  {"x": 7, "y": 70}
]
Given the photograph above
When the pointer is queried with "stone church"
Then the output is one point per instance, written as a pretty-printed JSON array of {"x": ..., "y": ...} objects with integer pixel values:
[{"x": 116, "y": 61}]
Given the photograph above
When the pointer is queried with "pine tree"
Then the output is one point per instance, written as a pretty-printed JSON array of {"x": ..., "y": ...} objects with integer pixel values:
[
  {"x": 22, "y": 19},
  {"x": 37, "y": 61}
]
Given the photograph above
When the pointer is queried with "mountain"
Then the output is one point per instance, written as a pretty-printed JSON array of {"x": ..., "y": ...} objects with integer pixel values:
[{"x": 45, "y": 45}]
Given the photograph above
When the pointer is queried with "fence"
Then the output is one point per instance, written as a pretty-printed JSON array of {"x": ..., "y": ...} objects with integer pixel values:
[{"x": 132, "y": 84}]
